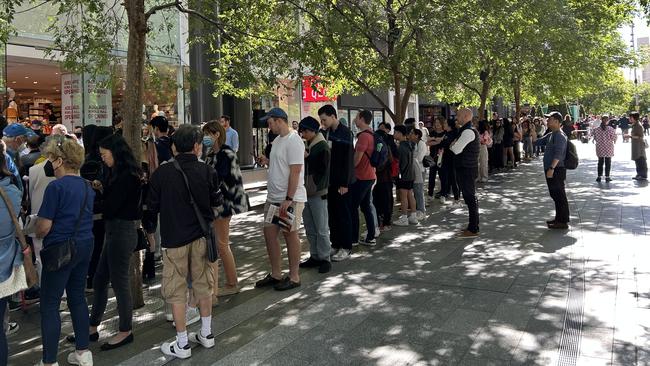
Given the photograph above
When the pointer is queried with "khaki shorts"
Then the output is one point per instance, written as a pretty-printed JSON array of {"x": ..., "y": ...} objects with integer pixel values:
[
  {"x": 176, "y": 262},
  {"x": 298, "y": 207}
]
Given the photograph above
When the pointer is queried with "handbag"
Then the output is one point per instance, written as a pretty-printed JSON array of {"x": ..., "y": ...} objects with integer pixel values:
[
  {"x": 208, "y": 230},
  {"x": 58, "y": 255},
  {"x": 428, "y": 161},
  {"x": 31, "y": 275},
  {"x": 143, "y": 242}
]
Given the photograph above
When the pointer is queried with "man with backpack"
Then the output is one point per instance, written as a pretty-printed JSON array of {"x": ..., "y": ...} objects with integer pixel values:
[
  {"x": 364, "y": 171},
  {"x": 555, "y": 170}
]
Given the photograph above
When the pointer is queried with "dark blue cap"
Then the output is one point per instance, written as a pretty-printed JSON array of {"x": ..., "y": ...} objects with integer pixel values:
[{"x": 275, "y": 113}]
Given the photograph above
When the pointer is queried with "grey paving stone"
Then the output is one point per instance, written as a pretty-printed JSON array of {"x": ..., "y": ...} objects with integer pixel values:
[
  {"x": 442, "y": 349},
  {"x": 465, "y": 322},
  {"x": 597, "y": 342},
  {"x": 480, "y": 300},
  {"x": 515, "y": 316}
]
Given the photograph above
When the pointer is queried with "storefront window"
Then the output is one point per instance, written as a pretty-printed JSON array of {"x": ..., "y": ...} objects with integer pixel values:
[{"x": 3, "y": 76}]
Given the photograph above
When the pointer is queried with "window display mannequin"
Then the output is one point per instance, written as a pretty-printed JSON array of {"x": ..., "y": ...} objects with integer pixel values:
[{"x": 11, "y": 113}]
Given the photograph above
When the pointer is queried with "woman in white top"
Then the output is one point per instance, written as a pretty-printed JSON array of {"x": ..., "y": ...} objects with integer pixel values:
[{"x": 419, "y": 152}]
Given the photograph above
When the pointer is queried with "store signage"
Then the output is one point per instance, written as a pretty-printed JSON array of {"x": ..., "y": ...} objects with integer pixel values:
[
  {"x": 71, "y": 100},
  {"x": 313, "y": 91},
  {"x": 91, "y": 104}
]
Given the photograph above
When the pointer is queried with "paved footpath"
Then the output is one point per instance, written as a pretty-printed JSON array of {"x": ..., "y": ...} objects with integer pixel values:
[{"x": 520, "y": 294}]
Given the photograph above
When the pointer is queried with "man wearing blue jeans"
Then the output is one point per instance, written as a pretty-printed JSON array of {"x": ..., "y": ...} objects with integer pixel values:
[{"x": 315, "y": 215}]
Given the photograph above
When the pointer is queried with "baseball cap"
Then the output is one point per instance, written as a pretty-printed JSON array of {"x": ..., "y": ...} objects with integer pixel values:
[
  {"x": 555, "y": 114},
  {"x": 275, "y": 113},
  {"x": 16, "y": 129},
  {"x": 309, "y": 123}
]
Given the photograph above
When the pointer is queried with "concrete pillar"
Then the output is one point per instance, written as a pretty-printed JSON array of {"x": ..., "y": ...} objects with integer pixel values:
[{"x": 243, "y": 123}]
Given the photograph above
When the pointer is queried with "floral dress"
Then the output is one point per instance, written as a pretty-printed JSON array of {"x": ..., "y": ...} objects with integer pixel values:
[{"x": 605, "y": 139}]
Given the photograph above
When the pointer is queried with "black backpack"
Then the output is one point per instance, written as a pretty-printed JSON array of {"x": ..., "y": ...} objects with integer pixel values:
[
  {"x": 379, "y": 156},
  {"x": 571, "y": 159}
]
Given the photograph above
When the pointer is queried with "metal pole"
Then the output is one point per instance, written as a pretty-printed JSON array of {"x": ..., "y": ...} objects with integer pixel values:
[{"x": 636, "y": 81}]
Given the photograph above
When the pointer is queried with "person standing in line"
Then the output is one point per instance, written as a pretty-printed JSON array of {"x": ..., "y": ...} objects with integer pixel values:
[
  {"x": 286, "y": 189},
  {"x": 419, "y": 152},
  {"x": 435, "y": 138},
  {"x": 122, "y": 189},
  {"x": 66, "y": 214},
  {"x": 317, "y": 173},
  {"x": 232, "y": 137},
  {"x": 448, "y": 181},
  {"x": 406, "y": 178},
  {"x": 224, "y": 160},
  {"x": 646, "y": 126},
  {"x": 605, "y": 138},
  {"x": 340, "y": 139},
  {"x": 508, "y": 145},
  {"x": 497, "y": 146},
  {"x": 486, "y": 142},
  {"x": 182, "y": 237},
  {"x": 466, "y": 149},
  {"x": 638, "y": 148},
  {"x": 382, "y": 192},
  {"x": 163, "y": 143},
  {"x": 361, "y": 189},
  {"x": 554, "y": 155}
]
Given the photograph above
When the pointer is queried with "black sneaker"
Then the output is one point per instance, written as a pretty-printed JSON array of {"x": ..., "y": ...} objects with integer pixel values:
[
  {"x": 267, "y": 281},
  {"x": 598, "y": 179},
  {"x": 286, "y": 284},
  {"x": 325, "y": 267},
  {"x": 608, "y": 179},
  {"x": 310, "y": 263}
]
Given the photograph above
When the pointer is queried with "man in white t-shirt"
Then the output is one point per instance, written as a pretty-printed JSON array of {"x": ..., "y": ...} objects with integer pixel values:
[{"x": 286, "y": 189}]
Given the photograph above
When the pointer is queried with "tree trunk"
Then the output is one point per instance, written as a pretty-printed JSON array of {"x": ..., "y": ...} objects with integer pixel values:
[
  {"x": 132, "y": 108},
  {"x": 517, "y": 92},
  {"x": 485, "y": 90}
]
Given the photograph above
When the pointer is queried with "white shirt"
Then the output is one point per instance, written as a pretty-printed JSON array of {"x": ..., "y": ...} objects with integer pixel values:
[
  {"x": 465, "y": 138},
  {"x": 418, "y": 155},
  {"x": 286, "y": 151}
]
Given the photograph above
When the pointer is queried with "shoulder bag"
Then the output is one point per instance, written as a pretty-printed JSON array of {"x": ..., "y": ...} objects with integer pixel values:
[
  {"x": 208, "y": 230},
  {"x": 58, "y": 255},
  {"x": 30, "y": 272}
]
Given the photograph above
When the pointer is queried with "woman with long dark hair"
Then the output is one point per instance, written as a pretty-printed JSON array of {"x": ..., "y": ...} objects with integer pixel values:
[
  {"x": 121, "y": 186},
  {"x": 235, "y": 201},
  {"x": 508, "y": 144}
]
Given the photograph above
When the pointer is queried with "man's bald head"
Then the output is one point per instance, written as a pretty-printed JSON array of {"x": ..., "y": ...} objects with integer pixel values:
[{"x": 464, "y": 115}]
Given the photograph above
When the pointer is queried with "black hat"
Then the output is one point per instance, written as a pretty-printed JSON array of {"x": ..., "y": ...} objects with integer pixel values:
[
  {"x": 309, "y": 123},
  {"x": 555, "y": 114}
]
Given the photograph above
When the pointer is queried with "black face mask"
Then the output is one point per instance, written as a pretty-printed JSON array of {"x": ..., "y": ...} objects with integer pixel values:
[
  {"x": 78, "y": 134},
  {"x": 49, "y": 169}
]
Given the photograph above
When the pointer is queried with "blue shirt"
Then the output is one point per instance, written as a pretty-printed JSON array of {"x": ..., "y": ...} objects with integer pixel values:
[
  {"x": 556, "y": 145},
  {"x": 13, "y": 169},
  {"x": 61, "y": 204},
  {"x": 232, "y": 139}
]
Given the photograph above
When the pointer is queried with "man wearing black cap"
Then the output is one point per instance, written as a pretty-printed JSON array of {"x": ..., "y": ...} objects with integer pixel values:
[
  {"x": 317, "y": 165},
  {"x": 554, "y": 155}
]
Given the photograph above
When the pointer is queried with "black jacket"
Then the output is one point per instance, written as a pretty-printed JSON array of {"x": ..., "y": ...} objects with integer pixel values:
[
  {"x": 122, "y": 197},
  {"x": 342, "y": 152},
  {"x": 169, "y": 197}
]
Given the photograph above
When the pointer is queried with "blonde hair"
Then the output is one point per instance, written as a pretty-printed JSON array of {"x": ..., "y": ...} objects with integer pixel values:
[
  {"x": 67, "y": 149},
  {"x": 212, "y": 127}
]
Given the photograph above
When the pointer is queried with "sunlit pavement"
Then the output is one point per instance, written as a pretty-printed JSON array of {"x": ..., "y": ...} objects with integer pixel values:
[{"x": 519, "y": 294}]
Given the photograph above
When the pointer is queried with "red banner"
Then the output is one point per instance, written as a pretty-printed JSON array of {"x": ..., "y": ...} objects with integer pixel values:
[{"x": 312, "y": 91}]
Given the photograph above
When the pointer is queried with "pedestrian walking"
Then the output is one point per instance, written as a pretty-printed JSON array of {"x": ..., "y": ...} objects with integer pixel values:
[
  {"x": 179, "y": 192},
  {"x": 286, "y": 191},
  {"x": 466, "y": 149},
  {"x": 317, "y": 173},
  {"x": 382, "y": 192},
  {"x": 639, "y": 145},
  {"x": 554, "y": 155},
  {"x": 605, "y": 137},
  {"x": 65, "y": 223}
]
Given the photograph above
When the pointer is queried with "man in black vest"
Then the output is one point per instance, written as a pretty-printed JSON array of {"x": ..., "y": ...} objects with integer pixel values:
[{"x": 466, "y": 149}]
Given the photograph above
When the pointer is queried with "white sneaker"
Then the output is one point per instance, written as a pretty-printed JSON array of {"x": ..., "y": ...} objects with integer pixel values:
[
  {"x": 333, "y": 251},
  {"x": 402, "y": 221},
  {"x": 377, "y": 232},
  {"x": 420, "y": 215},
  {"x": 192, "y": 316},
  {"x": 84, "y": 359},
  {"x": 174, "y": 350},
  {"x": 342, "y": 255},
  {"x": 413, "y": 220},
  {"x": 207, "y": 342},
  {"x": 369, "y": 243},
  {"x": 442, "y": 200}
]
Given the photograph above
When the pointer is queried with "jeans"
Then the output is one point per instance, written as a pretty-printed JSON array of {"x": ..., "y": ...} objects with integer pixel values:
[
  {"x": 641, "y": 167},
  {"x": 4, "y": 348},
  {"x": 121, "y": 240},
  {"x": 558, "y": 194},
  {"x": 338, "y": 210},
  {"x": 382, "y": 196},
  {"x": 360, "y": 198},
  {"x": 72, "y": 279},
  {"x": 418, "y": 192},
  {"x": 608, "y": 166},
  {"x": 99, "y": 233},
  {"x": 528, "y": 146},
  {"x": 314, "y": 216},
  {"x": 483, "y": 168},
  {"x": 433, "y": 171},
  {"x": 467, "y": 182}
]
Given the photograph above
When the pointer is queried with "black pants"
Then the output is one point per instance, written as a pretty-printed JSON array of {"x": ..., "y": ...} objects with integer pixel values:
[
  {"x": 98, "y": 233},
  {"x": 448, "y": 179},
  {"x": 466, "y": 178},
  {"x": 641, "y": 167},
  {"x": 608, "y": 166},
  {"x": 114, "y": 263},
  {"x": 338, "y": 210},
  {"x": 360, "y": 195},
  {"x": 558, "y": 194},
  {"x": 382, "y": 198},
  {"x": 497, "y": 156},
  {"x": 433, "y": 171}
]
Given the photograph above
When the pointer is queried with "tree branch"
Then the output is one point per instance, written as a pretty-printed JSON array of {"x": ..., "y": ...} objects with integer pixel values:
[{"x": 160, "y": 7}]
